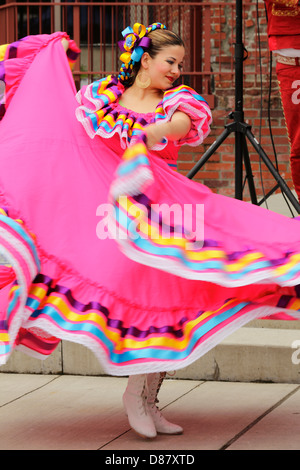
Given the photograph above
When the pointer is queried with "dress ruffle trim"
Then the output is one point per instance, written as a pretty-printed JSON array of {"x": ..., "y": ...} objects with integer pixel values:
[
  {"x": 187, "y": 100},
  {"x": 99, "y": 115},
  {"x": 152, "y": 241},
  {"x": 44, "y": 309},
  {"x": 18, "y": 248}
]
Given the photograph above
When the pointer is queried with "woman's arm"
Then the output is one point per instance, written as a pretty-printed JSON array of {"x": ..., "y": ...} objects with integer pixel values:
[{"x": 175, "y": 129}]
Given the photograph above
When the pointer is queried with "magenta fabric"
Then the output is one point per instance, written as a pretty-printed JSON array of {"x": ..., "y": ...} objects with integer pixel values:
[{"x": 54, "y": 178}]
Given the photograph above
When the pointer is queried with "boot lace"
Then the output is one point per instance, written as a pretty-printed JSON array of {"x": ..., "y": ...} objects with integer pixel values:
[{"x": 142, "y": 402}]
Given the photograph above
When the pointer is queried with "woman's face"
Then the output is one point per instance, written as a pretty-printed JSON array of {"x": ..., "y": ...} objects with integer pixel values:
[{"x": 166, "y": 67}]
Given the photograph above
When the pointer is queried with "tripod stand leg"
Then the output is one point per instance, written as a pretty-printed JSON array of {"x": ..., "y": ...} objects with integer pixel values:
[
  {"x": 239, "y": 148},
  {"x": 210, "y": 151},
  {"x": 273, "y": 170},
  {"x": 242, "y": 156},
  {"x": 249, "y": 173}
]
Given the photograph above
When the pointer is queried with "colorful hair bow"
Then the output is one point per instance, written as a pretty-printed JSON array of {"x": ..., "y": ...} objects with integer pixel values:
[{"x": 134, "y": 43}]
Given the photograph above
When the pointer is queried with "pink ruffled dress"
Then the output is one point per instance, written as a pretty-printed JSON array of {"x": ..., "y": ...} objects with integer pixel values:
[{"x": 143, "y": 292}]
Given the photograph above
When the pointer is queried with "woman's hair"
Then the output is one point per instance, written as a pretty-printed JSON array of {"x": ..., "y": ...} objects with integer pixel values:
[{"x": 160, "y": 39}]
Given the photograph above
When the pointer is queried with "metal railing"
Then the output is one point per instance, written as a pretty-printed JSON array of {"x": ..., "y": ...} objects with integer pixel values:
[{"x": 207, "y": 28}]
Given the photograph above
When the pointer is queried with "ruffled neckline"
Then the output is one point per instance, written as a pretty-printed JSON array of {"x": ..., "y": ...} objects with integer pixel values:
[
  {"x": 119, "y": 107},
  {"x": 101, "y": 114}
]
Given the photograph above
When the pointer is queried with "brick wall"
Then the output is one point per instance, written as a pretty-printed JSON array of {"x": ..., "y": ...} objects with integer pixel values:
[{"x": 218, "y": 172}]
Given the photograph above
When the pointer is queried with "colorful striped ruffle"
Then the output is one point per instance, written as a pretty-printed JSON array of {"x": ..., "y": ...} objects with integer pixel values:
[
  {"x": 55, "y": 313},
  {"x": 152, "y": 241},
  {"x": 99, "y": 115},
  {"x": 187, "y": 100},
  {"x": 42, "y": 311},
  {"x": 18, "y": 249},
  {"x": 129, "y": 350}
]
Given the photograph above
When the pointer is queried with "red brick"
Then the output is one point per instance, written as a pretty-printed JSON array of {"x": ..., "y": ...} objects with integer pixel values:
[{"x": 218, "y": 171}]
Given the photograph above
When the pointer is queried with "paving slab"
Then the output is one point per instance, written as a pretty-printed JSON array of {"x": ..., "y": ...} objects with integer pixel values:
[
  {"x": 278, "y": 430},
  {"x": 14, "y": 386},
  {"x": 65, "y": 412},
  {"x": 212, "y": 415},
  {"x": 61, "y": 412}
]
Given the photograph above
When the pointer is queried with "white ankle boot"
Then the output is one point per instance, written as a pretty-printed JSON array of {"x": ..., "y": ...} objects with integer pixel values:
[
  {"x": 162, "y": 426},
  {"x": 135, "y": 405}
]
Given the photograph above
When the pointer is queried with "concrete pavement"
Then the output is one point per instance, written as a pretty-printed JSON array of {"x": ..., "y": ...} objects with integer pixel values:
[
  {"x": 236, "y": 409},
  {"x": 65, "y": 412}
]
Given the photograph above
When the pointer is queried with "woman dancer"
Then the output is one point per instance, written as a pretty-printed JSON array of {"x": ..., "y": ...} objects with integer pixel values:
[{"x": 62, "y": 183}]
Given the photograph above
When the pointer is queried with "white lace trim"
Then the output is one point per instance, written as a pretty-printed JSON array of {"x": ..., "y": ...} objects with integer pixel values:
[
  {"x": 155, "y": 365},
  {"x": 175, "y": 267}
]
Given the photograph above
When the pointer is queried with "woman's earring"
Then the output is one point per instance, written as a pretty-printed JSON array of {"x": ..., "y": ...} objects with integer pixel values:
[{"x": 143, "y": 80}]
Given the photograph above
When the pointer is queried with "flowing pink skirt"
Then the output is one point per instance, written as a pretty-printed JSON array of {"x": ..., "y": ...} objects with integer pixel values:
[{"x": 67, "y": 277}]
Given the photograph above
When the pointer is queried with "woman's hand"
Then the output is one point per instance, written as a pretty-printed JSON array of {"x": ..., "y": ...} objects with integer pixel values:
[
  {"x": 175, "y": 129},
  {"x": 65, "y": 44},
  {"x": 155, "y": 134}
]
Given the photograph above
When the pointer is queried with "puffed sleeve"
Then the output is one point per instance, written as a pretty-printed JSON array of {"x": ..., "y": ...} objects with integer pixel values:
[
  {"x": 187, "y": 100},
  {"x": 16, "y": 58},
  {"x": 94, "y": 111}
]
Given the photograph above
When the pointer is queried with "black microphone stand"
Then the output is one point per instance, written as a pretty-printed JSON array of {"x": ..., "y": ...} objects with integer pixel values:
[{"x": 243, "y": 132}]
